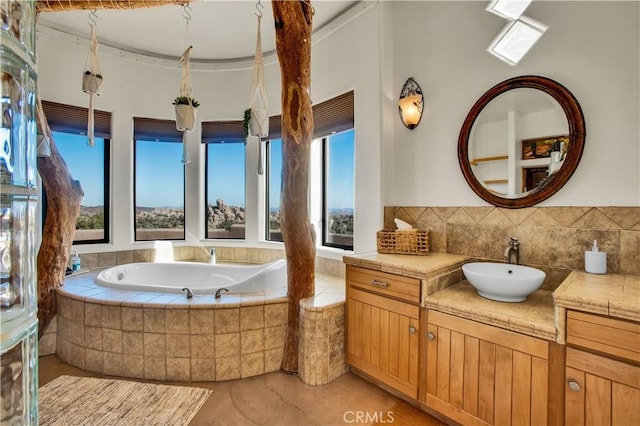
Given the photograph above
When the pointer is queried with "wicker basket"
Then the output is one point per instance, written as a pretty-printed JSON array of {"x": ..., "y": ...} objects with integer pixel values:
[{"x": 411, "y": 241}]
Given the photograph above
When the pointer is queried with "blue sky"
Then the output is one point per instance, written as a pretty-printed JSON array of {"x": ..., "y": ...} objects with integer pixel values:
[
  {"x": 85, "y": 163},
  {"x": 160, "y": 174},
  {"x": 226, "y": 167}
]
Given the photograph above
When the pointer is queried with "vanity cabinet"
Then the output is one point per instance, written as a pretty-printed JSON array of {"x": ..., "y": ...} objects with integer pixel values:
[
  {"x": 602, "y": 370},
  {"x": 383, "y": 324},
  {"x": 479, "y": 374}
]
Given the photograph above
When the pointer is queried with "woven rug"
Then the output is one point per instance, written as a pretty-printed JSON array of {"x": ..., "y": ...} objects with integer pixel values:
[{"x": 70, "y": 400}]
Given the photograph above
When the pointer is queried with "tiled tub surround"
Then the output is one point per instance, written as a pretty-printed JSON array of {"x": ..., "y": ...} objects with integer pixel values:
[
  {"x": 553, "y": 239},
  {"x": 168, "y": 337},
  {"x": 252, "y": 255},
  {"x": 321, "y": 356}
]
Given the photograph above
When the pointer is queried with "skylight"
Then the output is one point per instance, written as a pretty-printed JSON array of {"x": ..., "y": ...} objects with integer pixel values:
[
  {"x": 515, "y": 40},
  {"x": 508, "y": 9}
]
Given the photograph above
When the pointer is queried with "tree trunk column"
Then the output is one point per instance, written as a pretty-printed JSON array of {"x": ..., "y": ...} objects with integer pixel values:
[
  {"x": 293, "y": 22},
  {"x": 64, "y": 196}
]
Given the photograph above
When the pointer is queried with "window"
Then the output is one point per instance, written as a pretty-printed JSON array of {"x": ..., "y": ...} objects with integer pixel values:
[
  {"x": 338, "y": 183},
  {"x": 224, "y": 179},
  {"x": 274, "y": 186},
  {"x": 89, "y": 165},
  {"x": 158, "y": 180},
  {"x": 336, "y": 159}
]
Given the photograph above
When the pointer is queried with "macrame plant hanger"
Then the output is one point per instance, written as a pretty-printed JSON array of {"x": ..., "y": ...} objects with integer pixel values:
[
  {"x": 259, "y": 122},
  {"x": 92, "y": 79},
  {"x": 185, "y": 104}
]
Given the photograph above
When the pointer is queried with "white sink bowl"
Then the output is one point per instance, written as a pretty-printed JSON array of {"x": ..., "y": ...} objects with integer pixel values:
[{"x": 502, "y": 281}]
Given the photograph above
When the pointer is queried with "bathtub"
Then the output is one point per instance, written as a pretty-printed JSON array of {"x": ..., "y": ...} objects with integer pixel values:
[{"x": 199, "y": 277}]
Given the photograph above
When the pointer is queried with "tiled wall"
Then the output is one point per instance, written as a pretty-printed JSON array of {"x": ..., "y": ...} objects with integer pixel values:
[
  {"x": 171, "y": 343},
  {"x": 551, "y": 238}
]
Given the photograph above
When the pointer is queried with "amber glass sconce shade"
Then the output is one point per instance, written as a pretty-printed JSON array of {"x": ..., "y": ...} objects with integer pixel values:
[{"x": 410, "y": 104}]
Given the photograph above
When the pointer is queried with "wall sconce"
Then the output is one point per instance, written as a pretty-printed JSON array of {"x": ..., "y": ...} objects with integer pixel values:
[{"x": 410, "y": 104}]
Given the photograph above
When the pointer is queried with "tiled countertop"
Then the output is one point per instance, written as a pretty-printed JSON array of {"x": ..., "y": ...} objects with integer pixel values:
[
  {"x": 616, "y": 295},
  {"x": 436, "y": 270},
  {"x": 420, "y": 267},
  {"x": 534, "y": 317}
]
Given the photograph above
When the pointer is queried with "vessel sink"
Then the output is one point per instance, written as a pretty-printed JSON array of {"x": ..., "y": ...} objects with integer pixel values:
[{"x": 503, "y": 282}]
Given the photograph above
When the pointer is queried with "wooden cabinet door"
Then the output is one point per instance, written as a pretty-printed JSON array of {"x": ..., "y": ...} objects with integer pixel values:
[
  {"x": 382, "y": 339},
  {"x": 479, "y": 374},
  {"x": 601, "y": 391}
]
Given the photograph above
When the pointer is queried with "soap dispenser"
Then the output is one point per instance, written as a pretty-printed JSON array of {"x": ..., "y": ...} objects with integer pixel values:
[
  {"x": 595, "y": 261},
  {"x": 75, "y": 261}
]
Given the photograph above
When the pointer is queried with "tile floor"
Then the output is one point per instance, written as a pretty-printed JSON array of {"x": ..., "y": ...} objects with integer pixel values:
[{"x": 280, "y": 399}]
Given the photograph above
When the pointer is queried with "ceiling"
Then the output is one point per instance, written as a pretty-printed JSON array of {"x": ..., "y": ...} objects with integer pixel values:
[{"x": 218, "y": 30}]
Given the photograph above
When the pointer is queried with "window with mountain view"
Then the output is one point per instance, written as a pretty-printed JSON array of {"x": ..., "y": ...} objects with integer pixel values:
[
  {"x": 274, "y": 185},
  {"x": 158, "y": 190},
  {"x": 338, "y": 184},
  {"x": 334, "y": 131},
  {"x": 225, "y": 190},
  {"x": 90, "y": 166}
]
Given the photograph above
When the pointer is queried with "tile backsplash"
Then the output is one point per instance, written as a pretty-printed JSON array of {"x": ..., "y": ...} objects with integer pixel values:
[{"x": 552, "y": 238}]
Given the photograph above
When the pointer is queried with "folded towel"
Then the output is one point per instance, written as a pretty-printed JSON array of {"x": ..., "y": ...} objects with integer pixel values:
[{"x": 401, "y": 224}]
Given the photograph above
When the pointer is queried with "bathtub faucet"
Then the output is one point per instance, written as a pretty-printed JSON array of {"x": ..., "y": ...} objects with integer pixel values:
[
  {"x": 189, "y": 292},
  {"x": 212, "y": 256},
  {"x": 218, "y": 292}
]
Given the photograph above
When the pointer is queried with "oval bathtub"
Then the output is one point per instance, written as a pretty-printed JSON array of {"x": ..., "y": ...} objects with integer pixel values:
[{"x": 199, "y": 277}]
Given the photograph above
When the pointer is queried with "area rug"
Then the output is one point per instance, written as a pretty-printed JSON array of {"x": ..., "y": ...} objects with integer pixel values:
[{"x": 70, "y": 400}]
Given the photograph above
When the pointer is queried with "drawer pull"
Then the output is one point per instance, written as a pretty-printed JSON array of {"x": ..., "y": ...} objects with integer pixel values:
[
  {"x": 412, "y": 329},
  {"x": 430, "y": 336},
  {"x": 574, "y": 386},
  {"x": 379, "y": 283}
]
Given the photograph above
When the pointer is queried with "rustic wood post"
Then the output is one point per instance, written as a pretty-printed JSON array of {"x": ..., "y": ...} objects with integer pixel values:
[
  {"x": 64, "y": 196},
  {"x": 293, "y": 43}
]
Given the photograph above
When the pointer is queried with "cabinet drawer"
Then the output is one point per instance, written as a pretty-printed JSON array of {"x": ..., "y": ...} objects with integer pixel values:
[
  {"x": 617, "y": 337},
  {"x": 385, "y": 284}
]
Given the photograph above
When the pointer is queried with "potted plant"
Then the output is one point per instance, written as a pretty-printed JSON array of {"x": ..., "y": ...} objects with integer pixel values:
[
  {"x": 91, "y": 82},
  {"x": 185, "y": 112},
  {"x": 245, "y": 122}
]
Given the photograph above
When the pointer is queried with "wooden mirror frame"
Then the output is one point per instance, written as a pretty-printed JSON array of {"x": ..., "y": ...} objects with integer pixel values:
[{"x": 575, "y": 119}]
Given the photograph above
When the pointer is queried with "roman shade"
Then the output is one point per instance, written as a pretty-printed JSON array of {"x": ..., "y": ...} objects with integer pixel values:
[
  {"x": 152, "y": 129},
  {"x": 222, "y": 132},
  {"x": 332, "y": 116},
  {"x": 73, "y": 119}
]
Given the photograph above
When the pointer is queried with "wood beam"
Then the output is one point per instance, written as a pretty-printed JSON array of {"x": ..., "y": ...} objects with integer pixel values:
[{"x": 62, "y": 5}]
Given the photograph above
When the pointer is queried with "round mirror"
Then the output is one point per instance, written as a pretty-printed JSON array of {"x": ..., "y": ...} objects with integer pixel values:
[{"x": 521, "y": 141}]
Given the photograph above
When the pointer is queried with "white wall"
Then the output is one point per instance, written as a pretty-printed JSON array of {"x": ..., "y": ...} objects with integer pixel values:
[
  {"x": 592, "y": 48},
  {"x": 343, "y": 58}
]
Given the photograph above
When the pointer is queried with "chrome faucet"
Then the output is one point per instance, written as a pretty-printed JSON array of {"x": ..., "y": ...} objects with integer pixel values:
[
  {"x": 219, "y": 291},
  {"x": 513, "y": 251}
]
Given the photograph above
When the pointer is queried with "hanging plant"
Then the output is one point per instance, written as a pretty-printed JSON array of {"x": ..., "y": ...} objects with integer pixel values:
[
  {"x": 91, "y": 82},
  {"x": 186, "y": 100},
  {"x": 186, "y": 112},
  {"x": 92, "y": 79},
  {"x": 245, "y": 122}
]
